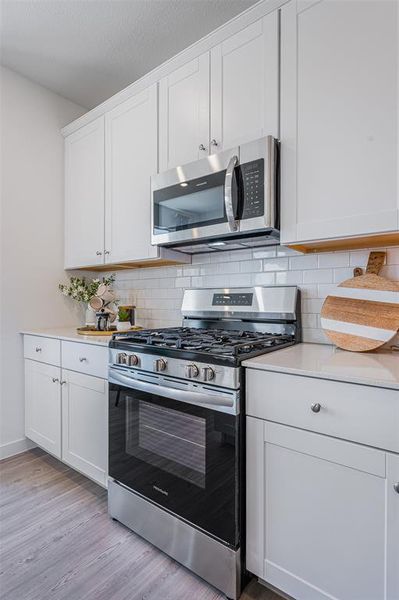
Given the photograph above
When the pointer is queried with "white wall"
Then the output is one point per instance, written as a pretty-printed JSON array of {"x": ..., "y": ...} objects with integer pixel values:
[{"x": 31, "y": 234}]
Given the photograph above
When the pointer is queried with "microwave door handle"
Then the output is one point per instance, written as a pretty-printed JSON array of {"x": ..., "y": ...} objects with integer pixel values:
[
  {"x": 228, "y": 193},
  {"x": 224, "y": 403}
]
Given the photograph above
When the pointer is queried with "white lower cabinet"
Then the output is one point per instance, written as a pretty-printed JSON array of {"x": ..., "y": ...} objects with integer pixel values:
[
  {"x": 322, "y": 514},
  {"x": 85, "y": 424},
  {"x": 43, "y": 405},
  {"x": 66, "y": 409}
]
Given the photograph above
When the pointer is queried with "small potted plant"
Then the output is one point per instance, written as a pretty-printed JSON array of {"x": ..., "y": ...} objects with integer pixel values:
[{"x": 123, "y": 323}]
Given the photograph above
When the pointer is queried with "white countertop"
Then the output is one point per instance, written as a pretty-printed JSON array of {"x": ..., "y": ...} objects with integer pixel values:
[
  {"x": 379, "y": 369},
  {"x": 70, "y": 334}
]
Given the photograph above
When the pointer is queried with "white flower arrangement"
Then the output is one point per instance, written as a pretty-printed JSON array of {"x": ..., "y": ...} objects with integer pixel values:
[{"x": 82, "y": 290}]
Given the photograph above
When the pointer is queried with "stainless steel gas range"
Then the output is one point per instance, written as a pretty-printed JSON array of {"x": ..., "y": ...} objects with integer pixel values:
[{"x": 176, "y": 424}]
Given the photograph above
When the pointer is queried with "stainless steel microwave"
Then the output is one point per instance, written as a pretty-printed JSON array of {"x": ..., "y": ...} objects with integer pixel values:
[{"x": 229, "y": 199}]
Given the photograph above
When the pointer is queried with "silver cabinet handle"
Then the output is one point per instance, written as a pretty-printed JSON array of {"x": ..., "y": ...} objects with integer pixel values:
[
  {"x": 55, "y": 379},
  {"x": 107, "y": 252},
  {"x": 38, "y": 349},
  {"x": 201, "y": 147},
  {"x": 316, "y": 407},
  {"x": 396, "y": 487},
  {"x": 214, "y": 142},
  {"x": 62, "y": 382},
  {"x": 99, "y": 253},
  {"x": 228, "y": 193},
  {"x": 82, "y": 359}
]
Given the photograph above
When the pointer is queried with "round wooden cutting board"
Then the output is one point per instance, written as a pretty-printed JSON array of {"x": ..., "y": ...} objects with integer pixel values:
[{"x": 362, "y": 313}]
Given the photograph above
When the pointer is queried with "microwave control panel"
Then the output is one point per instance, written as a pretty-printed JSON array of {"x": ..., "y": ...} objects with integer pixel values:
[{"x": 253, "y": 182}]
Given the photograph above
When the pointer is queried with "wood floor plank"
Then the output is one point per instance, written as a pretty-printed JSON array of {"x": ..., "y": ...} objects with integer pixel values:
[{"x": 58, "y": 543}]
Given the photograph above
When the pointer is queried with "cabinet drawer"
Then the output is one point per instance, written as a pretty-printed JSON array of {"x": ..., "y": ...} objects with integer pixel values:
[
  {"x": 85, "y": 358},
  {"x": 364, "y": 414},
  {"x": 42, "y": 349}
]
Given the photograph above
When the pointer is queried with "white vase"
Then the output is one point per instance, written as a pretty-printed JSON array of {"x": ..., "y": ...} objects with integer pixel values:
[
  {"x": 90, "y": 317},
  {"x": 123, "y": 325}
]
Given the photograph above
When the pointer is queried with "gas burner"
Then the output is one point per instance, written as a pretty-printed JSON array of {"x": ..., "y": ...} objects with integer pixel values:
[{"x": 215, "y": 342}]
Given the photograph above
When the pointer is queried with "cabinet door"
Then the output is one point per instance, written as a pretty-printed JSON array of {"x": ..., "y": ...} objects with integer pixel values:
[
  {"x": 245, "y": 85},
  {"x": 131, "y": 157},
  {"x": 392, "y": 526},
  {"x": 43, "y": 405},
  {"x": 317, "y": 514},
  {"x": 339, "y": 111},
  {"x": 85, "y": 424},
  {"x": 84, "y": 196},
  {"x": 184, "y": 114}
]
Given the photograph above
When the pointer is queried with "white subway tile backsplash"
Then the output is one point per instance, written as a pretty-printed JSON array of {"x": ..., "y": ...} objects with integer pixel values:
[
  {"x": 333, "y": 259},
  {"x": 318, "y": 276},
  {"x": 306, "y": 261},
  {"x": 275, "y": 264},
  {"x": 289, "y": 278},
  {"x": 263, "y": 279},
  {"x": 342, "y": 274},
  {"x": 251, "y": 266},
  {"x": 264, "y": 252},
  {"x": 157, "y": 292}
]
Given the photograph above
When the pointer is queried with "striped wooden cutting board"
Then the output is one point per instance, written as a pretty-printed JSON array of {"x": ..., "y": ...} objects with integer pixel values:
[{"x": 362, "y": 313}]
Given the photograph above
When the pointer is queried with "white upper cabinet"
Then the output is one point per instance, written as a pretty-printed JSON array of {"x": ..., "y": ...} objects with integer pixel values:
[
  {"x": 84, "y": 196},
  {"x": 244, "y": 85},
  {"x": 131, "y": 157},
  {"x": 184, "y": 114},
  {"x": 339, "y": 118}
]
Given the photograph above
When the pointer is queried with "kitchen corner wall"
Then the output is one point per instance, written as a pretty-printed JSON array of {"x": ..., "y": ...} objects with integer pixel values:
[
  {"x": 157, "y": 293},
  {"x": 31, "y": 237}
]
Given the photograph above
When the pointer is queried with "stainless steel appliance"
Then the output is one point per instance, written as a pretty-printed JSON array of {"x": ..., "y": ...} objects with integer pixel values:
[
  {"x": 229, "y": 199},
  {"x": 176, "y": 424}
]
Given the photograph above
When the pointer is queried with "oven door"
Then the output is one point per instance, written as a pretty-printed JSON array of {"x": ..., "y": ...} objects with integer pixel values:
[
  {"x": 197, "y": 201},
  {"x": 178, "y": 448}
]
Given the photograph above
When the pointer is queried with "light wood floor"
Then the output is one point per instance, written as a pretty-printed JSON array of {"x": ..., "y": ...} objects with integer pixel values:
[{"x": 58, "y": 543}]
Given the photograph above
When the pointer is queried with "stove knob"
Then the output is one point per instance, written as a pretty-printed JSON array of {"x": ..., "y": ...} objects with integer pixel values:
[
  {"x": 191, "y": 371},
  {"x": 121, "y": 358},
  {"x": 133, "y": 360},
  {"x": 208, "y": 373},
  {"x": 160, "y": 364}
]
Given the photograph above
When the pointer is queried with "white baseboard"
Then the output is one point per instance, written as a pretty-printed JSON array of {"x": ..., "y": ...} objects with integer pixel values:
[{"x": 15, "y": 447}]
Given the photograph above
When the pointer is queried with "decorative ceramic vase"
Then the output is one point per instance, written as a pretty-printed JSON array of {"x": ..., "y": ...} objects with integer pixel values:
[
  {"x": 90, "y": 317},
  {"x": 123, "y": 325}
]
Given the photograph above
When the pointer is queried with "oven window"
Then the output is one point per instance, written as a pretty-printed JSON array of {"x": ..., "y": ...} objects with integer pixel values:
[
  {"x": 196, "y": 203},
  {"x": 168, "y": 439}
]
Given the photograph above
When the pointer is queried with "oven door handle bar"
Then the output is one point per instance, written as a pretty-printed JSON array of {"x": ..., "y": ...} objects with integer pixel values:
[{"x": 222, "y": 402}]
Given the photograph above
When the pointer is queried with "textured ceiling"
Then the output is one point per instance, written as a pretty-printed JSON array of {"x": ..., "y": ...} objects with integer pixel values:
[{"x": 86, "y": 50}]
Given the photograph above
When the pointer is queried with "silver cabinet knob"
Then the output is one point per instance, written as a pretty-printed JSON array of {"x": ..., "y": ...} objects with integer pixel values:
[
  {"x": 107, "y": 252},
  {"x": 396, "y": 487},
  {"x": 133, "y": 360},
  {"x": 316, "y": 407},
  {"x": 191, "y": 371},
  {"x": 82, "y": 359},
  {"x": 201, "y": 147},
  {"x": 62, "y": 382},
  {"x": 99, "y": 253},
  {"x": 214, "y": 142},
  {"x": 38, "y": 349},
  {"x": 55, "y": 379},
  {"x": 160, "y": 364},
  {"x": 208, "y": 373}
]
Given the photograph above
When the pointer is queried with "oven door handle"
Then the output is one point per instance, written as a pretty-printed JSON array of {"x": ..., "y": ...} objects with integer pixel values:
[
  {"x": 221, "y": 402},
  {"x": 228, "y": 193}
]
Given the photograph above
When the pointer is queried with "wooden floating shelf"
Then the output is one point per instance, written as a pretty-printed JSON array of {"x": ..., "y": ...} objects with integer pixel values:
[{"x": 354, "y": 243}]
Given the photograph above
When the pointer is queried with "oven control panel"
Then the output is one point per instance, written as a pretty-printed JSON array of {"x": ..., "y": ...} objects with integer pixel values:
[
  {"x": 198, "y": 372},
  {"x": 253, "y": 183},
  {"x": 232, "y": 299}
]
